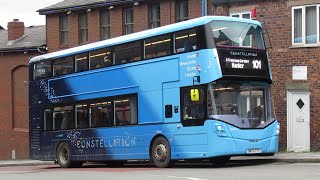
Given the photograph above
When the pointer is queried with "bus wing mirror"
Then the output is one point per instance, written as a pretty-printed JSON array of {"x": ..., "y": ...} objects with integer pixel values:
[{"x": 194, "y": 95}]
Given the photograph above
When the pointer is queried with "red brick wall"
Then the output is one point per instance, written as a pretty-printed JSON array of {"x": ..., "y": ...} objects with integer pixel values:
[
  {"x": 116, "y": 22},
  {"x": 5, "y": 105},
  {"x": 141, "y": 18},
  {"x": 52, "y": 33},
  {"x": 165, "y": 16},
  {"x": 195, "y": 8},
  {"x": 94, "y": 25},
  {"x": 14, "y": 117},
  {"x": 73, "y": 38},
  {"x": 221, "y": 10}
]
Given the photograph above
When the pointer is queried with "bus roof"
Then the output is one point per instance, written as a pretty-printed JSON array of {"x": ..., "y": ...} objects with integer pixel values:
[{"x": 139, "y": 35}]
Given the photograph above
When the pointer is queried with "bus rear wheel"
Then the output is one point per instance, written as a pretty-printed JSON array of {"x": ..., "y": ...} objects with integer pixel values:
[
  {"x": 220, "y": 161},
  {"x": 115, "y": 163},
  {"x": 63, "y": 157},
  {"x": 161, "y": 153}
]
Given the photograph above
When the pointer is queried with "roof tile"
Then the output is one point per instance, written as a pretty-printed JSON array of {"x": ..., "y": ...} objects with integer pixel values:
[
  {"x": 78, "y": 3},
  {"x": 34, "y": 36}
]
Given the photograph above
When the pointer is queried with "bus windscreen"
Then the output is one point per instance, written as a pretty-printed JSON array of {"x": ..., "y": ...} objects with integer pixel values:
[
  {"x": 244, "y": 105},
  {"x": 237, "y": 34}
]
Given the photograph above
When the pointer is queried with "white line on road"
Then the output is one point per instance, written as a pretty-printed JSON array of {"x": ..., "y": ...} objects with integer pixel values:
[{"x": 176, "y": 177}]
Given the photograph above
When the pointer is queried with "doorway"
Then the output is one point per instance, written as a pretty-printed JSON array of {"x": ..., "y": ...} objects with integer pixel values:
[{"x": 298, "y": 120}]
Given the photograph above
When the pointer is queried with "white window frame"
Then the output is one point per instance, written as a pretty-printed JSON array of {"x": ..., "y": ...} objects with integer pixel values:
[
  {"x": 303, "y": 43},
  {"x": 180, "y": 9},
  {"x": 83, "y": 25},
  {"x": 63, "y": 30},
  {"x": 240, "y": 14},
  {"x": 153, "y": 20},
  {"x": 127, "y": 24},
  {"x": 105, "y": 24}
]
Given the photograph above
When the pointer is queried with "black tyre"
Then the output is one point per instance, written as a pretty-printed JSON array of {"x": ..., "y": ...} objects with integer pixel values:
[
  {"x": 115, "y": 163},
  {"x": 63, "y": 157},
  {"x": 161, "y": 153},
  {"x": 220, "y": 161},
  {"x": 76, "y": 164}
]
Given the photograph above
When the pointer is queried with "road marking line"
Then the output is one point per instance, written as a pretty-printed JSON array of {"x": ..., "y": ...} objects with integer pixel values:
[{"x": 176, "y": 177}]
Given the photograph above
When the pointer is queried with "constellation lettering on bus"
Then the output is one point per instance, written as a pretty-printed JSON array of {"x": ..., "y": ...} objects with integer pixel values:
[{"x": 102, "y": 143}]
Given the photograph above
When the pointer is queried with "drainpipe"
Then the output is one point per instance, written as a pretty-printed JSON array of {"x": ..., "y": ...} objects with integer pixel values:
[{"x": 204, "y": 7}]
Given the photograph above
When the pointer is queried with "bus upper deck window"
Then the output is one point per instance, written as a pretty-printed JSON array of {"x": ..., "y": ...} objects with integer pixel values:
[
  {"x": 100, "y": 58},
  {"x": 186, "y": 41},
  {"x": 157, "y": 46},
  {"x": 81, "y": 62},
  {"x": 126, "y": 53},
  {"x": 63, "y": 66}
]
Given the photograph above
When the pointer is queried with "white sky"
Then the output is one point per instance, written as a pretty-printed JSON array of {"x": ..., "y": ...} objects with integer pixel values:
[{"x": 24, "y": 10}]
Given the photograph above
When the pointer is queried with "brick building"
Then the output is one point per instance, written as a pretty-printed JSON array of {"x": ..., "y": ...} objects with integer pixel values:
[
  {"x": 72, "y": 23},
  {"x": 17, "y": 45},
  {"x": 292, "y": 38}
]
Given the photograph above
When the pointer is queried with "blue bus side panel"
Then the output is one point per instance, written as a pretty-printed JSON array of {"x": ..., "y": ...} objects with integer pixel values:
[
  {"x": 111, "y": 143},
  {"x": 172, "y": 97},
  {"x": 203, "y": 63},
  {"x": 190, "y": 142},
  {"x": 145, "y": 77},
  {"x": 150, "y": 107},
  {"x": 146, "y": 80}
]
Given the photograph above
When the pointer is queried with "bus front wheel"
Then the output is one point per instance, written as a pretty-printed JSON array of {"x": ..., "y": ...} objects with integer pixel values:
[{"x": 161, "y": 153}]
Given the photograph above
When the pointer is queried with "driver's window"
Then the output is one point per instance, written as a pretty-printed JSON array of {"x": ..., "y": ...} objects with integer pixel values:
[{"x": 193, "y": 110}]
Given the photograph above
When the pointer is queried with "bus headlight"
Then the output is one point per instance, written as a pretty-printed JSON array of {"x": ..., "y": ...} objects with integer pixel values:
[
  {"x": 220, "y": 130},
  {"x": 278, "y": 129}
]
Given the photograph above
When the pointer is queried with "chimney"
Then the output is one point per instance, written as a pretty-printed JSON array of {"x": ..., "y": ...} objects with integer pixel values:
[{"x": 15, "y": 29}]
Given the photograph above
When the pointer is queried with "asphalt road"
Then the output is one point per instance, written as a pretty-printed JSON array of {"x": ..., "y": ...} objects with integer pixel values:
[{"x": 236, "y": 170}]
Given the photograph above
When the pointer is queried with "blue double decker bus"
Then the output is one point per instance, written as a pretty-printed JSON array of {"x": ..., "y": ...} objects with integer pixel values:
[{"x": 198, "y": 89}]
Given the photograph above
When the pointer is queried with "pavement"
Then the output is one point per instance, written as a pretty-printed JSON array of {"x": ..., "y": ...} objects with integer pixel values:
[
  {"x": 288, "y": 157},
  {"x": 24, "y": 162}
]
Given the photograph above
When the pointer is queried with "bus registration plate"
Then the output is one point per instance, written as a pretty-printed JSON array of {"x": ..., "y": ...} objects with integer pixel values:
[{"x": 254, "y": 151}]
